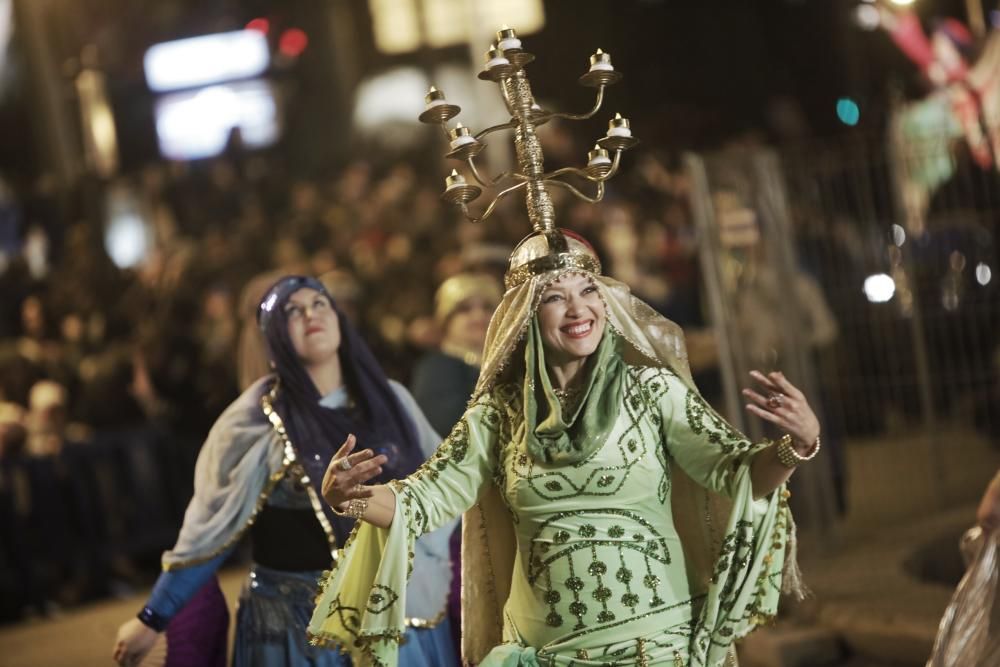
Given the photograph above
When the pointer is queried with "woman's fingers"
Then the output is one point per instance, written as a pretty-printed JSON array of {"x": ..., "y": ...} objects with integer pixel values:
[
  {"x": 760, "y": 400},
  {"x": 765, "y": 381},
  {"x": 366, "y": 470},
  {"x": 358, "y": 457},
  {"x": 769, "y": 416},
  {"x": 784, "y": 385},
  {"x": 346, "y": 448}
]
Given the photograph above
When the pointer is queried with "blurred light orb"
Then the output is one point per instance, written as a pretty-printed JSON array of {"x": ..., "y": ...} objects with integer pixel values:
[
  {"x": 125, "y": 240},
  {"x": 898, "y": 235},
  {"x": 902, "y": 3},
  {"x": 867, "y": 17},
  {"x": 293, "y": 42},
  {"x": 848, "y": 111},
  {"x": 879, "y": 288},
  {"x": 387, "y": 105},
  {"x": 983, "y": 274}
]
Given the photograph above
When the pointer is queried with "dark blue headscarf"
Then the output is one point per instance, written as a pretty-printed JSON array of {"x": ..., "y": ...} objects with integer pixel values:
[{"x": 374, "y": 414}]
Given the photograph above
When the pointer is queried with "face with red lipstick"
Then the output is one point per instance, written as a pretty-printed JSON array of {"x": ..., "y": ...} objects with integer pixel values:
[
  {"x": 571, "y": 318},
  {"x": 312, "y": 326}
]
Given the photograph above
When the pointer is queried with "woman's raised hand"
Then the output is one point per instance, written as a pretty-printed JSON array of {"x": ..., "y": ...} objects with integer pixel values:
[
  {"x": 347, "y": 473},
  {"x": 785, "y": 406}
]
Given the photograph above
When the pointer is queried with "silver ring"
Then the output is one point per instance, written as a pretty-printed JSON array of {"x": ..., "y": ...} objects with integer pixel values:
[
  {"x": 344, "y": 464},
  {"x": 775, "y": 401}
]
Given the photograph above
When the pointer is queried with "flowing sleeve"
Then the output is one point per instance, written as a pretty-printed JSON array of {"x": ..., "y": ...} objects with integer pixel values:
[
  {"x": 427, "y": 593},
  {"x": 238, "y": 465},
  {"x": 361, "y": 606},
  {"x": 702, "y": 443},
  {"x": 746, "y": 579}
]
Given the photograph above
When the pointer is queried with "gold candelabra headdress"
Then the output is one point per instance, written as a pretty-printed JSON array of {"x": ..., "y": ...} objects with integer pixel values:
[{"x": 505, "y": 61}]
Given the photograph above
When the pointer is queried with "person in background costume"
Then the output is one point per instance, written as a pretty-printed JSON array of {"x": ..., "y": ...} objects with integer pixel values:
[
  {"x": 444, "y": 379},
  {"x": 259, "y": 473}
]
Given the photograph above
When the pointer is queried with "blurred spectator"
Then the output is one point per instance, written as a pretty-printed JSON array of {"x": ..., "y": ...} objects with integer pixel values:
[
  {"x": 444, "y": 378},
  {"x": 47, "y": 418}
]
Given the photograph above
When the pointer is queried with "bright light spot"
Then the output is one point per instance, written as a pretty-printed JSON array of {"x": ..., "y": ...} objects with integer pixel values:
[
  {"x": 6, "y": 26},
  {"x": 983, "y": 274},
  {"x": 898, "y": 235},
  {"x": 125, "y": 241},
  {"x": 198, "y": 124},
  {"x": 268, "y": 305},
  {"x": 867, "y": 17},
  {"x": 406, "y": 25},
  {"x": 260, "y": 25},
  {"x": 902, "y": 3},
  {"x": 199, "y": 61},
  {"x": 848, "y": 111},
  {"x": 293, "y": 42},
  {"x": 879, "y": 288},
  {"x": 126, "y": 238},
  {"x": 394, "y": 97}
]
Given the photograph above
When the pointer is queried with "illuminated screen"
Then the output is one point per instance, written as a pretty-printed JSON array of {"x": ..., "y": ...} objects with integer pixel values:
[
  {"x": 201, "y": 61},
  {"x": 197, "y": 124}
]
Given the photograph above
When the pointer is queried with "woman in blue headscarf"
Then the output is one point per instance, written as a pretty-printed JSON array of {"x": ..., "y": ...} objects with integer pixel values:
[{"x": 259, "y": 472}]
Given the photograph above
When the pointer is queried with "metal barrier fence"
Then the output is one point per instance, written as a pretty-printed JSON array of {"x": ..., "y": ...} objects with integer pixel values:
[{"x": 873, "y": 292}]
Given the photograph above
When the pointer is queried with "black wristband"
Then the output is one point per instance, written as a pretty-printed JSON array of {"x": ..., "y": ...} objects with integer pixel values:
[{"x": 152, "y": 620}]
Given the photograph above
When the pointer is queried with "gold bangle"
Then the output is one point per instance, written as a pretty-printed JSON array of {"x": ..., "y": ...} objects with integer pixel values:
[
  {"x": 356, "y": 507},
  {"x": 791, "y": 458}
]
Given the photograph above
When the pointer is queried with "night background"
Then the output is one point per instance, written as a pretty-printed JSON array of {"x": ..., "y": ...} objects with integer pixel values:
[{"x": 807, "y": 195}]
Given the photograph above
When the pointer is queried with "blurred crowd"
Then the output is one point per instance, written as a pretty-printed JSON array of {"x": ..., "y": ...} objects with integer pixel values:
[
  {"x": 88, "y": 347},
  {"x": 93, "y": 352}
]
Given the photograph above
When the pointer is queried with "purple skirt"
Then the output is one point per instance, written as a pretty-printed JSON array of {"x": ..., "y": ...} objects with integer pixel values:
[{"x": 197, "y": 635}]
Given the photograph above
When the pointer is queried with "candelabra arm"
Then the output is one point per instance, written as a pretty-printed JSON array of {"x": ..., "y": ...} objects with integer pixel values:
[
  {"x": 593, "y": 200},
  {"x": 489, "y": 183},
  {"x": 573, "y": 116},
  {"x": 569, "y": 170},
  {"x": 552, "y": 175},
  {"x": 496, "y": 128},
  {"x": 489, "y": 209}
]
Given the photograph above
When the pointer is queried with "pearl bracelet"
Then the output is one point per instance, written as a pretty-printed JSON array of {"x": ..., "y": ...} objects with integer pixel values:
[{"x": 789, "y": 457}]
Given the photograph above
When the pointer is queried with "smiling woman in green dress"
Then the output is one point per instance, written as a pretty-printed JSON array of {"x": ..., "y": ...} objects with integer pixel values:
[{"x": 590, "y": 472}]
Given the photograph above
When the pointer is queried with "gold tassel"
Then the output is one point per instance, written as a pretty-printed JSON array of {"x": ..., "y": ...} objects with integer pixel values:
[{"x": 791, "y": 576}]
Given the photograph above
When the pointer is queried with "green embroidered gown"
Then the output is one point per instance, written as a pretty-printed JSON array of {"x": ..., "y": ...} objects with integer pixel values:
[{"x": 599, "y": 573}]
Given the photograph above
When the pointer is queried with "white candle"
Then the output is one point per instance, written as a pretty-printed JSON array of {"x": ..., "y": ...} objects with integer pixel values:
[
  {"x": 507, "y": 39},
  {"x": 598, "y": 157},
  {"x": 618, "y": 127},
  {"x": 494, "y": 58},
  {"x": 461, "y": 136},
  {"x": 601, "y": 61},
  {"x": 434, "y": 98}
]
